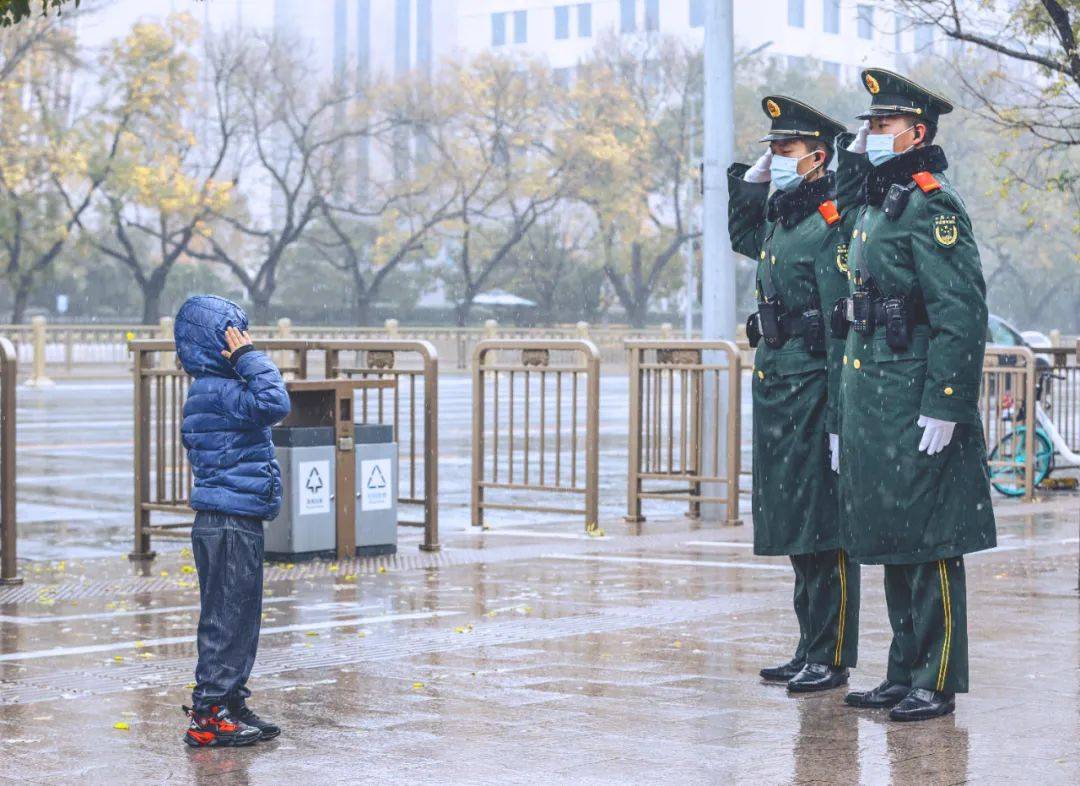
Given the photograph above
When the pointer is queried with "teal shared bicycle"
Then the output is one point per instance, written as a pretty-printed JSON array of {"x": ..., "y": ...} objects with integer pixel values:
[{"x": 1009, "y": 456}]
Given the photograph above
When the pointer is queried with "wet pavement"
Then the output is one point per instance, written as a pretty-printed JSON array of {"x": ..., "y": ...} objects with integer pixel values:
[{"x": 535, "y": 654}]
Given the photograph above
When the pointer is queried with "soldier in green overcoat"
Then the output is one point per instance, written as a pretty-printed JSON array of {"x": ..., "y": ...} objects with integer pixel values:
[
  {"x": 913, "y": 476},
  {"x": 793, "y": 235}
]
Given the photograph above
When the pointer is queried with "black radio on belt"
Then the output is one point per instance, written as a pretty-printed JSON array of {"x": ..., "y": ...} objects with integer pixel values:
[
  {"x": 838, "y": 321},
  {"x": 897, "y": 324},
  {"x": 769, "y": 323},
  {"x": 862, "y": 312},
  {"x": 814, "y": 332},
  {"x": 753, "y": 332}
]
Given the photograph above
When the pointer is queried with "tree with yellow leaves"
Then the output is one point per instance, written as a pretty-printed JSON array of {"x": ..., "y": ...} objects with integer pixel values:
[
  {"x": 47, "y": 180},
  {"x": 166, "y": 184},
  {"x": 627, "y": 134},
  {"x": 495, "y": 149},
  {"x": 295, "y": 136}
]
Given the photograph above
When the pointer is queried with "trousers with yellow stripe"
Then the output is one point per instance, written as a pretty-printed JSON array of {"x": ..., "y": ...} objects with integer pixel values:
[
  {"x": 928, "y": 613},
  {"x": 827, "y": 607}
]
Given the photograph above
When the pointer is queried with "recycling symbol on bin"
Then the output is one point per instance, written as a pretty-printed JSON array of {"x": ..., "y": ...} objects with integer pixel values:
[
  {"x": 376, "y": 480},
  {"x": 314, "y": 482}
]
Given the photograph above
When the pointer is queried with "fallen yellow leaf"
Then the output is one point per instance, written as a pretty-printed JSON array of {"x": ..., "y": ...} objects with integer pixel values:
[{"x": 121, "y": 726}]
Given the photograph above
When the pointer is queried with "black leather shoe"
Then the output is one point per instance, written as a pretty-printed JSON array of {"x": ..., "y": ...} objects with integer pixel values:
[
  {"x": 887, "y": 694},
  {"x": 818, "y": 676},
  {"x": 782, "y": 673},
  {"x": 923, "y": 704}
]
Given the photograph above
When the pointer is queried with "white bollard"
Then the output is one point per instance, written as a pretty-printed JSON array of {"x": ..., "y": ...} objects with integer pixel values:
[{"x": 37, "y": 375}]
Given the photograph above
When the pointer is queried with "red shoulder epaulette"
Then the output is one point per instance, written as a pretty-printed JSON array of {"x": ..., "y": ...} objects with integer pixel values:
[
  {"x": 927, "y": 182},
  {"x": 829, "y": 212}
]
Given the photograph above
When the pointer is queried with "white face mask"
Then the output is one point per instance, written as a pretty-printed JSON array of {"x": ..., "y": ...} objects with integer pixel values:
[
  {"x": 784, "y": 171},
  {"x": 879, "y": 147}
]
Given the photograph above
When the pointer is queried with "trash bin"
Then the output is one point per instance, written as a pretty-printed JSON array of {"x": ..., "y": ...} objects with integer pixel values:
[
  {"x": 376, "y": 489},
  {"x": 305, "y": 527}
]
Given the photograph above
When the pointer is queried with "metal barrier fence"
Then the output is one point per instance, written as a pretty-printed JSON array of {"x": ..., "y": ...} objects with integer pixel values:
[
  {"x": 64, "y": 347},
  {"x": 163, "y": 478},
  {"x": 675, "y": 437},
  {"x": 1007, "y": 411},
  {"x": 535, "y": 417},
  {"x": 1061, "y": 391},
  {"x": 9, "y": 365}
]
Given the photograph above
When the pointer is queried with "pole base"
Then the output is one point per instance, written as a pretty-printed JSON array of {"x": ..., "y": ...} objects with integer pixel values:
[
  {"x": 142, "y": 556},
  {"x": 733, "y": 523},
  {"x": 14, "y": 581},
  {"x": 431, "y": 549},
  {"x": 633, "y": 519}
]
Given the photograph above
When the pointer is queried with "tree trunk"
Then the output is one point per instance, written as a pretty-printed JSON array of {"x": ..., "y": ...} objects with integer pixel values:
[
  {"x": 260, "y": 307},
  {"x": 21, "y": 298},
  {"x": 362, "y": 309},
  {"x": 462, "y": 310},
  {"x": 637, "y": 311},
  {"x": 151, "y": 292}
]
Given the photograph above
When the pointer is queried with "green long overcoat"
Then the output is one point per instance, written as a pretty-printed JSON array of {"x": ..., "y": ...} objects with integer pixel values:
[
  {"x": 900, "y": 505},
  {"x": 795, "y": 507}
]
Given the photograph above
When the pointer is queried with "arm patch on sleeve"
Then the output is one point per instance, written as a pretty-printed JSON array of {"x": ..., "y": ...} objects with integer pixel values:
[{"x": 946, "y": 230}]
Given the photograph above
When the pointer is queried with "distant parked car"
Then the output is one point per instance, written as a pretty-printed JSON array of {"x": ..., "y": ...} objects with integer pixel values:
[
  {"x": 1000, "y": 333},
  {"x": 1035, "y": 338}
]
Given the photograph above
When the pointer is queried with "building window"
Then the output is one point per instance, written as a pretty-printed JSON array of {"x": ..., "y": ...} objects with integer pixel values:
[
  {"x": 831, "y": 16},
  {"x": 652, "y": 15},
  {"x": 866, "y": 21},
  {"x": 924, "y": 37},
  {"x": 521, "y": 27},
  {"x": 498, "y": 29},
  {"x": 402, "y": 53},
  {"x": 796, "y": 13},
  {"x": 697, "y": 13},
  {"x": 423, "y": 34},
  {"x": 562, "y": 21},
  {"x": 563, "y": 76},
  {"x": 832, "y": 69},
  {"x": 627, "y": 16},
  {"x": 584, "y": 20},
  {"x": 898, "y": 36}
]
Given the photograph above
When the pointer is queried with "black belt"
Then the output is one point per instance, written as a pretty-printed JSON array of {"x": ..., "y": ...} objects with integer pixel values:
[
  {"x": 916, "y": 313},
  {"x": 793, "y": 325}
]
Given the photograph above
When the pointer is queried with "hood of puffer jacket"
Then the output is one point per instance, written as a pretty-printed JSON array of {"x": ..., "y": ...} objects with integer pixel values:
[{"x": 200, "y": 334}]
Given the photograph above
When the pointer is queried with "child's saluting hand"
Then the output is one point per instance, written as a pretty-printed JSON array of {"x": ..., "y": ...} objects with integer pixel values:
[{"x": 234, "y": 339}]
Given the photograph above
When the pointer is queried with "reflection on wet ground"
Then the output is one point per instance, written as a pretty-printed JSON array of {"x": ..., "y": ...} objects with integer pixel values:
[{"x": 534, "y": 654}]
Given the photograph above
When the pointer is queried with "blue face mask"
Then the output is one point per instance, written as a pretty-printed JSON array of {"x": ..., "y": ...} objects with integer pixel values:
[
  {"x": 879, "y": 147},
  {"x": 784, "y": 172}
]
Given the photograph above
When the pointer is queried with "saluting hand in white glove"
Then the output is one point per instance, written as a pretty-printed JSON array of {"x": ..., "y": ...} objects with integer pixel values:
[
  {"x": 760, "y": 171},
  {"x": 834, "y": 451},
  {"x": 936, "y": 436},
  {"x": 858, "y": 144}
]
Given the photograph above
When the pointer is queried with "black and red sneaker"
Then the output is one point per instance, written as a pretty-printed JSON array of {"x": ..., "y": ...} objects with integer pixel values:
[
  {"x": 243, "y": 713},
  {"x": 218, "y": 729}
]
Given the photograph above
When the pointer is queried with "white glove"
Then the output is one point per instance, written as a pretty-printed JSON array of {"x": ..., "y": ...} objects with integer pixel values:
[
  {"x": 858, "y": 144},
  {"x": 760, "y": 171},
  {"x": 936, "y": 436},
  {"x": 834, "y": 451}
]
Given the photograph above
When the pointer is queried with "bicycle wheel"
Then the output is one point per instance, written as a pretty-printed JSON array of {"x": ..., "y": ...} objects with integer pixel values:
[{"x": 1008, "y": 476}]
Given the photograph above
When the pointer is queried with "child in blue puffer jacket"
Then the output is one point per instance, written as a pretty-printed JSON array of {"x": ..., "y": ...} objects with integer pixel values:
[{"x": 236, "y": 396}]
